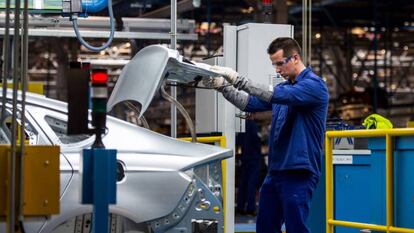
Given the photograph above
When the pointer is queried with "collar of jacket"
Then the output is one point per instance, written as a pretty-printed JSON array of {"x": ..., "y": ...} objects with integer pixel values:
[{"x": 302, "y": 74}]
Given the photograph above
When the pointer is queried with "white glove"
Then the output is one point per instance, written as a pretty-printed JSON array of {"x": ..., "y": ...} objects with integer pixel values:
[
  {"x": 228, "y": 73},
  {"x": 214, "y": 83}
]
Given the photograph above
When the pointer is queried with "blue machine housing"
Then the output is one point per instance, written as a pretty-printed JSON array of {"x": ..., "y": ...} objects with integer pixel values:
[{"x": 93, "y": 6}]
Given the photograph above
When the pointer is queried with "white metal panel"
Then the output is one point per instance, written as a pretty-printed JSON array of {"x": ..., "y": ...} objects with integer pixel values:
[
  {"x": 209, "y": 106},
  {"x": 252, "y": 41},
  {"x": 229, "y": 129}
]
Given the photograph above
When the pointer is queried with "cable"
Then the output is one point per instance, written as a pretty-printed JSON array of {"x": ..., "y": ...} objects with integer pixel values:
[
  {"x": 182, "y": 111},
  {"x": 74, "y": 19},
  {"x": 195, "y": 86},
  {"x": 141, "y": 119}
]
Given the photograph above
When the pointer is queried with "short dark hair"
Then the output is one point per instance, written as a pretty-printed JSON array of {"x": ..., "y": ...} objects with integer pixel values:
[{"x": 287, "y": 44}]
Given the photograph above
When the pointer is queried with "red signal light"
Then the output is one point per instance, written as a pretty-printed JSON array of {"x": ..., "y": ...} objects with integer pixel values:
[{"x": 99, "y": 77}]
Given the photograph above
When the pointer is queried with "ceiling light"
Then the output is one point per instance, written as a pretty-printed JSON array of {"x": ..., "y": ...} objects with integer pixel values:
[
  {"x": 357, "y": 31},
  {"x": 318, "y": 35}
]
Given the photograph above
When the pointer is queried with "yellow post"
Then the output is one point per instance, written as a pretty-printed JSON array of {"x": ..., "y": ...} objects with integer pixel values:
[
  {"x": 329, "y": 183},
  {"x": 223, "y": 144},
  {"x": 389, "y": 186}
]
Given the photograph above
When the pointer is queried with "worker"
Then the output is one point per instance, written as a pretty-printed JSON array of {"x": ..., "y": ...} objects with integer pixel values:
[
  {"x": 299, "y": 107},
  {"x": 251, "y": 157}
]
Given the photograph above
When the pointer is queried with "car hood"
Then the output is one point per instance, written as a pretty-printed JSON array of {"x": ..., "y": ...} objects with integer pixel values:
[{"x": 144, "y": 74}]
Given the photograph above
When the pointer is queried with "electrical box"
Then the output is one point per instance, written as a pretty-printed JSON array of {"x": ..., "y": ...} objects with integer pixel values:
[
  {"x": 245, "y": 50},
  {"x": 250, "y": 58}
]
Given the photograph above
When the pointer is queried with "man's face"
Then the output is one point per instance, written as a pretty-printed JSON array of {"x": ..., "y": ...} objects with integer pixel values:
[{"x": 285, "y": 66}]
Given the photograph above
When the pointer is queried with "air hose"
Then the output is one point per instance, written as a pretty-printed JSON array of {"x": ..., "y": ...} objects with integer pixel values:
[
  {"x": 74, "y": 19},
  {"x": 182, "y": 110}
]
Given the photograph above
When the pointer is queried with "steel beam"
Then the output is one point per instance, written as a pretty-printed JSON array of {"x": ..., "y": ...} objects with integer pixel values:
[{"x": 39, "y": 32}]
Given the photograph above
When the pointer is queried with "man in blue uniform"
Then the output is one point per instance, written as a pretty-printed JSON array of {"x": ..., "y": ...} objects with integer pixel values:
[{"x": 299, "y": 107}]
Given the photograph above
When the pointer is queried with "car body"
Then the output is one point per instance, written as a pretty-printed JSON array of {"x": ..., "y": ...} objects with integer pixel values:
[{"x": 164, "y": 184}]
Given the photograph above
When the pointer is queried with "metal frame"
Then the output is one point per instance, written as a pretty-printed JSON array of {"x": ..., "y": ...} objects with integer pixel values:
[
  {"x": 389, "y": 134},
  {"x": 104, "y": 34},
  {"x": 222, "y": 143},
  {"x": 97, "y": 27}
]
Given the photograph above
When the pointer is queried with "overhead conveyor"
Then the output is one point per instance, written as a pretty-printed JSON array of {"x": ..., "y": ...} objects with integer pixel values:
[{"x": 95, "y": 27}]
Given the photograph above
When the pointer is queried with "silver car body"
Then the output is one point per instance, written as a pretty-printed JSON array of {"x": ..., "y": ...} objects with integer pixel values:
[{"x": 169, "y": 185}]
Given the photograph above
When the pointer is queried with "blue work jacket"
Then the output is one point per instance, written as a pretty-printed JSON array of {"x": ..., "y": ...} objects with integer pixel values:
[{"x": 299, "y": 112}]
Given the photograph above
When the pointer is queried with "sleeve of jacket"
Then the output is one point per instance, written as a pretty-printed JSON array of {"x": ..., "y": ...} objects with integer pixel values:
[
  {"x": 309, "y": 92},
  {"x": 257, "y": 105}
]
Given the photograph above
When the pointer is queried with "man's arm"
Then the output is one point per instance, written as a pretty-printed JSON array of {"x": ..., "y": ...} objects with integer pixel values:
[
  {"x": 303, "y": 93},
  {"x": 307, "y": 92},
  {"x": 238, "y": 98}
]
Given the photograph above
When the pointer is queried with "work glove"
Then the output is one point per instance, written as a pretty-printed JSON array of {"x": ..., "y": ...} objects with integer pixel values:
[
  {"x": 217, "y": 83},
  {"x": 241, "y": 83},
  {"x": 239, "y": 98},
  {"x": 228, "y": 73}
]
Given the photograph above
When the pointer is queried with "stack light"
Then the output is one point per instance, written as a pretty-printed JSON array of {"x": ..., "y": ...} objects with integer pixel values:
[
  {"x": 99, "y": 96},
  {"x": 99, "y": 81}
]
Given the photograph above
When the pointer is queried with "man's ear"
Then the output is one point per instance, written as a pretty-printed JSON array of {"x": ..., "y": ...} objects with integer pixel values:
[{"x": 297, "y": 58}]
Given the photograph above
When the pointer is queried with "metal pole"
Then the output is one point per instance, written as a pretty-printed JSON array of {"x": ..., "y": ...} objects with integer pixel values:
[
  {"x": 389, "y": 184},
  {"x": 6, "y": 58},
  {"x": 310, "y": 33},
  {"x": 6, "y": 63},
  {"x": 375, "y": 76},
  {"x": 16, "y": 73},
  {"x": 321, "y": 52},
  {"x": 209, "y": 26},
  {"x": 329, "y": 183},
  {"x": 173, "y": 46},
  {"x": 304, "y": 30},
  {"x": 23, "y": 80}
]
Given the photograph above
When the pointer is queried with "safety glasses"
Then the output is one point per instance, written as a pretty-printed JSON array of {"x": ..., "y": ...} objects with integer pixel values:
[{"x": 282, "y": 63}]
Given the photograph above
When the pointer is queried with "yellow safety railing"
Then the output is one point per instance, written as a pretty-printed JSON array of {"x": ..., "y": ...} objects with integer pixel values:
[
  {"x": 221, "y": 140},
  {"x": 389, "y": 186}
]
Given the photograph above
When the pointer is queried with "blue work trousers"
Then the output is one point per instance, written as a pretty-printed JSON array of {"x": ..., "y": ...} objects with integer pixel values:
[{"x": 285, "y": 197}]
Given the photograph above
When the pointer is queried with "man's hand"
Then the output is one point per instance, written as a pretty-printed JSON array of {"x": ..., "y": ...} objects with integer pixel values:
[
  {"x": 215, "y": 83},
  {"x": 228, "y": 73}
]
